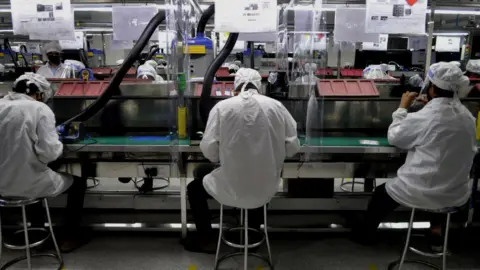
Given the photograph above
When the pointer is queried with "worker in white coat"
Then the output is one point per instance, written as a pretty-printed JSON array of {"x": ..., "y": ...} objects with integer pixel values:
[
  {"x": 441, "y": 144},
  {"x": 30, "y": 144},
  {"x": 54, "y": 67},
  {"x": 249, "y": 136}
]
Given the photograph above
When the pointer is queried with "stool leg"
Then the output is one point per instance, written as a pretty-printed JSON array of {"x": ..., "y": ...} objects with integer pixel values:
[
  {"x": 265, "y": 227},
  {"x": 445, "y": 242},
  {"x": 245, "y": 250},
  {"x": 241, "y": 224},
  {"x": 27, "y": 243},
  {"x": 50, "y": 226},
  {"x": 353, "y": 185},
  {"x": 407, "y": 241},
  {"x": 220, "y": 231}
]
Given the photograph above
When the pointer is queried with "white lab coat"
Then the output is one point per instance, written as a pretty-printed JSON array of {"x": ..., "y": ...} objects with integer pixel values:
[
  {"x": 47, "y": 72},
  {"x": 250, "y": 135},
  {"x": 441, "y": 145},
  {"x": 28, "y": 142}
]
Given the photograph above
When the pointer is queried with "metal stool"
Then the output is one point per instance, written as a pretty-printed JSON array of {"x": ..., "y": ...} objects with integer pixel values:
[
  {"x": 343, "y": 184},
  {"x": 23, "y": 202},
  {"x": 443, "y": 254},
  {"x": 245, "y": 229}
]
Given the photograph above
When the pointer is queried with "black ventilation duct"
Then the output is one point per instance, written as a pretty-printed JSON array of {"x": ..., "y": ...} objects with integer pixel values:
[{"x": 114, "y": 84}]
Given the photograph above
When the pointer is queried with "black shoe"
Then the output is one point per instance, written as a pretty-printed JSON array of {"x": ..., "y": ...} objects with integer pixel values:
[{"x": 193, "y": 243}]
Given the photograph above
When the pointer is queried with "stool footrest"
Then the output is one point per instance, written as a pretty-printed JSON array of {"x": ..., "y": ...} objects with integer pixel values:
[
  {"x": 22, "y": 258},
  {"x": 31, "y": 245},
  {"x": 426, "y": 254},
  {"x": 241, "y": 229},
  {"x": 236, "y": 254}
]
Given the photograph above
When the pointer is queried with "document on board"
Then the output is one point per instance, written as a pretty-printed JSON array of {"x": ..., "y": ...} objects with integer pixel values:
[
  {"x": 53, "y": 20},
  {"x": 395, "y": 16}
]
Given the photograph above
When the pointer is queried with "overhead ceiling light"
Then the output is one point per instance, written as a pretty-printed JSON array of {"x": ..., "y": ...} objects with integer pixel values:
[
  {"x": 93, "y": 9},
  {"x": 95, "y": 29},
  {"x": 6, "y": 30},
  {"x": 455, "y": 12}
]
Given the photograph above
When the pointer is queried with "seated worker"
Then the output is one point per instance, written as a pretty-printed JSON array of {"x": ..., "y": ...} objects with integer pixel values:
[
  {"x": 249, "y": 135},
  {"x": 54, "y": 67},
  {"x": 441, "y": 144},
  {"x": 29, "y": 143}
]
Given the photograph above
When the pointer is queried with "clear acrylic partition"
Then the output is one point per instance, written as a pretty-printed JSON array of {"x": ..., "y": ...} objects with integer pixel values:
[{"x": 309, "y": 40}]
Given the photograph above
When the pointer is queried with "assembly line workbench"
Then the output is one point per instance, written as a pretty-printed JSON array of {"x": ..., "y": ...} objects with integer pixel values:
[{"x": 165, "y": 145}]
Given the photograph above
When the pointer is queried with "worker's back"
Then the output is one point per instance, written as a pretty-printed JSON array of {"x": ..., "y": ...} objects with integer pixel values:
[
  {"x": 252, "y": 147},
  {"x": 22, "y": 173},
  {"x": 436, "y": 172}
]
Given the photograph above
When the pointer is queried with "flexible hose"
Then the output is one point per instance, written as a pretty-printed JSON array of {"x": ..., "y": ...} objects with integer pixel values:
[
  {"x": 206, "y": 103},
  {"x": 23, "y": 48},
  {"x": 83, "y": 57},
  {"x": 205, "y": 18},
  {"x": 114, "y": 84}
]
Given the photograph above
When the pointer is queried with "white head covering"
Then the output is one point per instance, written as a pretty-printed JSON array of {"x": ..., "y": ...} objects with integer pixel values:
[
  {"x": 474, "y": 66},
  {"x": 119, "y": 62},
  {"x": 447, "y": 76},
  {"x": 151, "y": 63},
  {"x": 234, "y": 67},
  {"x": 247, "y": 75},
  {"x": 415, "y": 81},
  {"x": 72, "y": 67},
  {"x": 52, "y": 47},
  {"x": 145, "y": 70},
  {"x": 41, "y": 82}
]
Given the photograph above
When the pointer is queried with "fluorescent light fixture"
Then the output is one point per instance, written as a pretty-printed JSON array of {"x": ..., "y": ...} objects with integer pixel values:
[
  {"x": 93, "y": 9},
  {"x": 5, "y": 10},
  {"x": 6, "y": 30},
  {"x": 451, "y": 34},
  {"x": 404, "y": 225},
  {"x": 95, "y": 29},
  {"x": 455, "y": 11}
]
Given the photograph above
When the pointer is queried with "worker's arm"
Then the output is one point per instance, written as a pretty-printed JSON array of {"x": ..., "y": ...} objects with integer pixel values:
[
  {"x": 48, "y": 147},
  {"x": 406, "y": 128},
  {"x": 292, "y": 143},
  {"x": 211, "y": 138}
]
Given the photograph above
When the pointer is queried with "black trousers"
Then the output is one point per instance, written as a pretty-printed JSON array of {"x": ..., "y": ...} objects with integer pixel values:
[
  {"x": 75, "y": 200},
  {"x": 381, "y": 205},
  {"x": 198, "y": 199}
]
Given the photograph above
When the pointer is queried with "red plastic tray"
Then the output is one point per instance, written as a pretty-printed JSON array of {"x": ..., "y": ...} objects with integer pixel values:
[
  {"x": 324, "y": 72},
  {"x": 347, "y": 88},
  {"x": 81, "y": 89},
  {"x": 102, "y": 71},
  {"x": 219, "y": 89}
]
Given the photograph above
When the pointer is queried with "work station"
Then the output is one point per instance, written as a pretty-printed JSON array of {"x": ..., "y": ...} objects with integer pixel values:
[{"x": 260, "y": 134}]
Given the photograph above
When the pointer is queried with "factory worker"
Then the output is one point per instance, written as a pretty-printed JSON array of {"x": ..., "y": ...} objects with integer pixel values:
[
  {"x": 441, "y": 144},
  {"x": 234, "y": 67},
  {"x": 148, "y": 72},
  {"x": 54, "y": 67},
  {"x": 249, "y": 136},
  {"x": 30, "y": 146},
  {"x": 72, "y": 68}
]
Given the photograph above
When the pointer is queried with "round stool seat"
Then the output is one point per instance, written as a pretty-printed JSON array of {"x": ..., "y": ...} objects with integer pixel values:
[{"x": 16, "y": 201}]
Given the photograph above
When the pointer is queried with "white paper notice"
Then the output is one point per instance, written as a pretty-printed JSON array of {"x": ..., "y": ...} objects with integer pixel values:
[
  {"x": 396, "y": 16},
  {"x": 53, "y": 20},
  {"x": 23, "y": 12},
  {"x": 73, "y": 44},
  {"x": 350, "y": 26},
  {"x": 130, "y": 21},
  {"x": 448, "y": 44},
  {"x": 239, "y": 46},
  {"x": 381, "y": 45},
  {"x": 246, "y": 16}
]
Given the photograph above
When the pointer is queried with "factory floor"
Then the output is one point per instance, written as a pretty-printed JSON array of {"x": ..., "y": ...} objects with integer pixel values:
[{"x": 137, "y": 251}]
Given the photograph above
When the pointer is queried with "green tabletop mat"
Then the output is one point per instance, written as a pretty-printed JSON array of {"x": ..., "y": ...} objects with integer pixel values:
[
  {"x": 327, "y": 141},
  {"x": 130, "y": 141}
]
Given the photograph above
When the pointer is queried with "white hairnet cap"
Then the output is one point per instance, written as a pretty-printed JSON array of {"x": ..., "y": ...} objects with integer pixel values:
[
  {"x": 41, "y": 82},
  {"x": 233, "y": 67},
  {"x": 247, "y": 75},
  {"x": 76, "y": 65},
  {"x": 151, "y": 63},
  {"x": 52, "y": 47},
  {"x": 310, "y": 67},
  {"x": 447, "y": 76},
  {"x": 146, "y": 70},
  {"x": 474, "y": 66},
  {"x": 415, "y": 81},
  {"x": 119, "y": 62}
]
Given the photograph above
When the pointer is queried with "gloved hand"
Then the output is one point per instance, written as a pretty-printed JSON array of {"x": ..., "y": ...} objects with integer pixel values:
[{"x": 407, "y": 99}]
